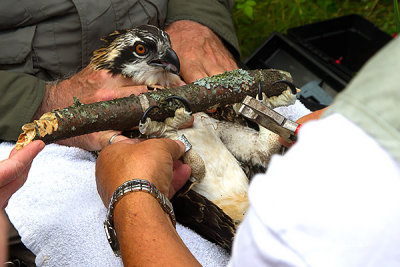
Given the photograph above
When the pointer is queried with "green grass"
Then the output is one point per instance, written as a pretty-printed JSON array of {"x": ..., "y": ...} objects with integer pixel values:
[{"x": 255, "y": 20}]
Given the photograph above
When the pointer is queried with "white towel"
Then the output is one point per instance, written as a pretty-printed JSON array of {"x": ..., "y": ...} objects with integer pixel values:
[
  {"x": 59, "y": 214},
  {"x": 293, "y": 112}
]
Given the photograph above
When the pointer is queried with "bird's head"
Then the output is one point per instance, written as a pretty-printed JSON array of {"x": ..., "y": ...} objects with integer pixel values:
[{"x": 142, "y": 53}]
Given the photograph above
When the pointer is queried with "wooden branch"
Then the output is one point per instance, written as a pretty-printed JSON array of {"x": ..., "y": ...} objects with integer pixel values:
[{"x": 125, "y": 113}]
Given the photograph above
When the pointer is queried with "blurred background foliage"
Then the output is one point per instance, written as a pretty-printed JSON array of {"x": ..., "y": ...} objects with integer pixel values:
[{"x": 255, "y": 20}]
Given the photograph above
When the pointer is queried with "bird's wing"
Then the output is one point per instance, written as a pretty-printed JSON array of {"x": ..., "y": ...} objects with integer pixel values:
[{"x": 204, "y": 217}]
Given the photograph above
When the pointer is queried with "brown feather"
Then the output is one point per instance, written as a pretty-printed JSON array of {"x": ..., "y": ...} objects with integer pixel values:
[{"x": 204, "y": 217}]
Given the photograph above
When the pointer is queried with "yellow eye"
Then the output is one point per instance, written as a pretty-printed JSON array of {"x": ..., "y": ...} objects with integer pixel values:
[{"x": 140, "y": 49}]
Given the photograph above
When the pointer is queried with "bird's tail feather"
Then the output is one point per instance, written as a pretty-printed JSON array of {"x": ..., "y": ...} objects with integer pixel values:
[{"x": 204, "y": 217}]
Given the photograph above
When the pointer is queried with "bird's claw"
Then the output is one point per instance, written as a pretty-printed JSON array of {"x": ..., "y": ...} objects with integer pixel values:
[
  {"x": 167, "y": 99},
  {"x": 291, "y": 85},
  {"x": 146, "y": 113},
  {"x": 181, "y": 99},
  {"x": 170, "y": 125},
  {"x": 260, "y": 92}
]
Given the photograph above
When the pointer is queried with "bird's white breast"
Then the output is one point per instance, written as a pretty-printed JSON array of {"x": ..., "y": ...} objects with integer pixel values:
[{"x": 224, "y": 183}]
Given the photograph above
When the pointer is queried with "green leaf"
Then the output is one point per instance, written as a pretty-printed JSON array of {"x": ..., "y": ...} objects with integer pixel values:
[
  {"x": 251, "y": 3},
  {"x": 248, "y": 10}
]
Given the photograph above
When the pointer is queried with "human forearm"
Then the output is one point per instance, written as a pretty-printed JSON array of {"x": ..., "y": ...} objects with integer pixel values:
[
  {"x": 146, "y": 234},
  {"x": 144, "y": 231},
  {"x": 201, "y": 52},
  {"x": 203, "y": 36},
  {"x": 215, "y": 14}
]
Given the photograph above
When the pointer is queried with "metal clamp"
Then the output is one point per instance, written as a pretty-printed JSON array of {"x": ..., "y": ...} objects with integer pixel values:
[{"x": 259, "y": 113}]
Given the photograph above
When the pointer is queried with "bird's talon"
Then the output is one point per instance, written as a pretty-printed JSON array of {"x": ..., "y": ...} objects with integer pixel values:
[
  {"x": 291, "y": 85},
  {"x": 260, "y": 91},
  {"x": 182, "y": 100},
  {"x": 146, "y": 113}
]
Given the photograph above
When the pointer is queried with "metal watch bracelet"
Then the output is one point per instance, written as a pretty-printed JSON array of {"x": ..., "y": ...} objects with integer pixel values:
[{"x": 134, "y": 185}]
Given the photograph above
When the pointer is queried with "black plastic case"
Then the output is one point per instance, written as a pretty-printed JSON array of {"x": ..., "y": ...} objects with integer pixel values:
[
  {"x": 321, "y": 57},
  {"x": 343, "y": 44}
]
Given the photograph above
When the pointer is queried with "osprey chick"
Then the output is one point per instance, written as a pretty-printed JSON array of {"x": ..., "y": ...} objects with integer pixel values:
[
  {"x": 214, "y": 201},
  {"x": 143, "y": 54}
]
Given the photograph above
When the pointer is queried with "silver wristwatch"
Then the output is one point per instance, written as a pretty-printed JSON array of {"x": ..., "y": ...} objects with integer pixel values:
[{"x": 127, "y": 187}]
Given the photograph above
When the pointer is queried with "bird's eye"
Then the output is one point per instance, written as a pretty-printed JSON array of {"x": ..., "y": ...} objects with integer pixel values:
[{"x": 140, "y": 49}]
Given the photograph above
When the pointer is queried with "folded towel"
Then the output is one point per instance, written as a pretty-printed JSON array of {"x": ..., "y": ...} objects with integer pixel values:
[{"x": 59, "y": 214}]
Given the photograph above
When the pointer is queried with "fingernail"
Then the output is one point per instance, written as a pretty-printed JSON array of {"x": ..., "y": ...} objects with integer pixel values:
[{"x": 42, "y": 145}]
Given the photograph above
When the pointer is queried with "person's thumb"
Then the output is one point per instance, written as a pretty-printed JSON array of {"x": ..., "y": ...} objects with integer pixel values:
[{"x": 174, "y": 147}]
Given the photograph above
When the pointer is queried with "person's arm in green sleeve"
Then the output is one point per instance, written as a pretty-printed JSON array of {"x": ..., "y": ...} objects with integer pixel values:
[
  {"x": 202, "y": 34},
  {"x": 21, "y": 96}
]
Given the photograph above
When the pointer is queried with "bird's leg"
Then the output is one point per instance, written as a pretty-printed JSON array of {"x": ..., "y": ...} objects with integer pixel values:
[
  {"x": 169, "y": 129},
  {"x": 151, "y": 128},
  {"x": 170, "y": 126},
  {"x": 166, "y": 129},
  {"x": 263, "y": 144},
  {"x": 182, "y": 117}
]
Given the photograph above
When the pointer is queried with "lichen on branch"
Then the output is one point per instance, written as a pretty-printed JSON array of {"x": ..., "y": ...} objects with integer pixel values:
[{"x": 125, "y": 113}]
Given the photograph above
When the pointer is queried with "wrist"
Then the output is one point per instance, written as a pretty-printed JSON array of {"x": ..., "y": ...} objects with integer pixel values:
[
  {"x": 138, "y": 210},
  {"x": 180, "y": 26},
  {"x": 56, "y": 96},
  {"x": 117, "y": 182},
  {"x": 135, "y": 186},
  {"x": 160, "y": 183}
]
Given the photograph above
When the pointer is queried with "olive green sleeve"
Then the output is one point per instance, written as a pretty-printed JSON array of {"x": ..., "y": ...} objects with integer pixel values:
[
  {"x": 21, "y": 96},
  {"x": 215, "y": 14}
]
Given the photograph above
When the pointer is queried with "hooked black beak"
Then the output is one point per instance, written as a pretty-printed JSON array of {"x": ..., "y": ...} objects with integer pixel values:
[{"x": 169, "y": 61}]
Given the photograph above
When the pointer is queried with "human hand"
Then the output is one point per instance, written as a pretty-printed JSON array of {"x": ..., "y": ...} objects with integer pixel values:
[
  {"x": 14, "y": 170},
  {"x": 88, "y": 86},
  {"x": 155, "y": 160},
  {"x": 309, "y": 117},
  {"x": 199, "y": 49}
]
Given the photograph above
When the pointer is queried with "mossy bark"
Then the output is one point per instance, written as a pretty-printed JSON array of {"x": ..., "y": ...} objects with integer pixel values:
[{"x": 125, "y": 113}]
